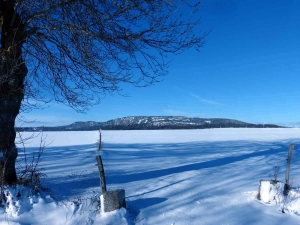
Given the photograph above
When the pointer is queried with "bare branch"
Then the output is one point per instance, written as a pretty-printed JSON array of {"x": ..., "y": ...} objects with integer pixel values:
[{"x": 88, "y": 48}]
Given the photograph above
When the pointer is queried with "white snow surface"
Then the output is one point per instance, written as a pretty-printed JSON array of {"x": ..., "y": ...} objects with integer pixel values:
[
  {"x": 174, "y": 177},
  {"x": 267, "y": 191}
]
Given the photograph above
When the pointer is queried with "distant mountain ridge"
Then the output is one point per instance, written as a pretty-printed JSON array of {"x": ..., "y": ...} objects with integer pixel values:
[{"x": 152, "y": 123}]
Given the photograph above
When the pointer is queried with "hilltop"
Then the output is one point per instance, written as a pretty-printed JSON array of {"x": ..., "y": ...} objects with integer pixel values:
[{"x": 153, "y": 123}]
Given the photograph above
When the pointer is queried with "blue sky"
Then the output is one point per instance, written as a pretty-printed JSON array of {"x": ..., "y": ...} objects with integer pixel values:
[{"x": 248, "y": 69}]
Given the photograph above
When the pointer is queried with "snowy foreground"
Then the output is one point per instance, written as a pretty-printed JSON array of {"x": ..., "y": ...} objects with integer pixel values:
[{"x": 172, "y": 177}]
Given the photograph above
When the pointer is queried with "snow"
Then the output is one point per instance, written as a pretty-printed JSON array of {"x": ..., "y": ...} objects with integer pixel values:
[
  {"x": 267, "y": 191},
  {"x": 170, "y": 177}
]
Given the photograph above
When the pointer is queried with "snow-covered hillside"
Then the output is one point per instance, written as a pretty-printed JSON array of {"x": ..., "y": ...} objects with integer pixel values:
[
  {"x": 174, "y": 177},
  {"x": 152, "y": 123},
  {"x": 173, "y": 122}
]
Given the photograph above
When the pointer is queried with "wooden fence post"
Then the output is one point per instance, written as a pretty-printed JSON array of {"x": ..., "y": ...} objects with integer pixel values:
[
  {"x": 101, "y": 172},
  {"x": 110, "y": 200},
  {"x": 287, "y": 172},
  {"x": 100, "y": 141}
]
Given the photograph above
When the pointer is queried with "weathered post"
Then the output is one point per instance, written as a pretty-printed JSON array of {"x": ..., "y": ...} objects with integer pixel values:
[
  {"x": 287, "y": 173},
  {"x": 100, "y": 140},
  {"x": 110, "y": 200},
  {"x": 102, "y": 174}
]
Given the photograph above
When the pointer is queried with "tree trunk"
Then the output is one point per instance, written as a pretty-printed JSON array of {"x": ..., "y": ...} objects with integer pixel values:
[
  {"x": 11, "y": 96},
  {"x": 12, "y": 75}
]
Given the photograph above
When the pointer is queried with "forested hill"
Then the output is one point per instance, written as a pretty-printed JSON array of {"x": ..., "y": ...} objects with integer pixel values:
[{"x": 152, "y": 123}]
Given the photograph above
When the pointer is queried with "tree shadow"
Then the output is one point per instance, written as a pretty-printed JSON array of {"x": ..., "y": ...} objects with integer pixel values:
[
  {"x": 134, "y": 207},
  {"x": 210, "y": 154},
  {"x": 271, "y": 148}
]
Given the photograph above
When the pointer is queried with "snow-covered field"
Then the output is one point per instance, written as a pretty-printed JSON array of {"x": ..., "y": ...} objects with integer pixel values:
[{"x": 170, "y": 177}]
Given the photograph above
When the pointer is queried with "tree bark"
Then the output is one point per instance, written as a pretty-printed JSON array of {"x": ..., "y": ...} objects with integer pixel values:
[
  {"x": 12, "y": 75},
  {"x": 11, "y": 96}
]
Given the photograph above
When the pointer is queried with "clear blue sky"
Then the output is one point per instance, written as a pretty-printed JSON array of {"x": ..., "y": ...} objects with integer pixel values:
[{"x": 248, "y": 69}]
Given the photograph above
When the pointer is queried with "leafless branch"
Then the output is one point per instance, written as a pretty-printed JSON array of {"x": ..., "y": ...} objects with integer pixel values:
[{"x": 80, "y": 51}]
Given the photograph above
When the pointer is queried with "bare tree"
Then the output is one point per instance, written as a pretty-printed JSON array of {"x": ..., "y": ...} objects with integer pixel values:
[{"x": 81, "y": 50}]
